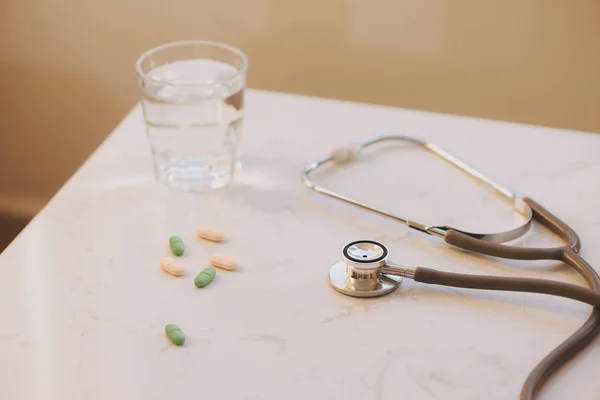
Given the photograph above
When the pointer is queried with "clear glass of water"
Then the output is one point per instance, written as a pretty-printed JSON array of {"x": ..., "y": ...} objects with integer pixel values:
[{"x": 192, "y": 94}]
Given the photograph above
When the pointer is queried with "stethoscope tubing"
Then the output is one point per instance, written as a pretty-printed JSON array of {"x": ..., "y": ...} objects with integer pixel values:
[
  {"x": 569, "y": 254},
  {"x": 509, "y": 284}
]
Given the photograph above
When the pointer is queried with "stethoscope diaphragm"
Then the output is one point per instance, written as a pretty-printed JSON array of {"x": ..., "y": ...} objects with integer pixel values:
[{"x": 358, "y": 273}]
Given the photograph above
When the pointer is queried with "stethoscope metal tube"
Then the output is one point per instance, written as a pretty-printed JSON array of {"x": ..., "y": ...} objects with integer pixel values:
[{"x": 344, "y": 155}]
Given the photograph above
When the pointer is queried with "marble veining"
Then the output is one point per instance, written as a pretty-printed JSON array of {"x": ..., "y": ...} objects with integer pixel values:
[{"x": 83, "y": 302}]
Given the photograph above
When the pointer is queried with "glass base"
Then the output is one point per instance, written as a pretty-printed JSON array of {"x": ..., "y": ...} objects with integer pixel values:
[{"x": 193, "y": 177}]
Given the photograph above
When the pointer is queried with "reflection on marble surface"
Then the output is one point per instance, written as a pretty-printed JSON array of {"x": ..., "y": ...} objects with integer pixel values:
[{"x": 84, "y": 304}]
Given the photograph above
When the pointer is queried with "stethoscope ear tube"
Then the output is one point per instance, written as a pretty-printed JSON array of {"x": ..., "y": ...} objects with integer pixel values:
[{"x": 345, "y": 155}]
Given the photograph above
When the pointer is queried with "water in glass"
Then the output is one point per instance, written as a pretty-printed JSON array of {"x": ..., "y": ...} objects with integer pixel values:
[{"x": 194, "y": 113}]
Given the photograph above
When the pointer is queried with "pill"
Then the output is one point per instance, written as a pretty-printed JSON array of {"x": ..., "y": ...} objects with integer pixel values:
[
  {"x": 175, "y": 334},
  {"x": 223, "y": 262},
  {"x": 205, "y": 277},
  {"x": 177, "y": 246},
  {"x": 171, "y": 266},
  {"x": 210, "y": 234}
]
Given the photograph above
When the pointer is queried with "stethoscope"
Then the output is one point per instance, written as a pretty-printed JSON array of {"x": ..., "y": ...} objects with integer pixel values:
[{"x": 365, "y": 269}]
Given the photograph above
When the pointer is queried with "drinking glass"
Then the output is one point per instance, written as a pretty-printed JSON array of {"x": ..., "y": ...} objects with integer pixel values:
[{"x": 192, "y": 95}]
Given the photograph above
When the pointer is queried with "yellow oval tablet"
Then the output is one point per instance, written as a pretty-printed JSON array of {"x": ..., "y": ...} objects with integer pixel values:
[
  {"x": 210, "y": 234},
  {"x": 171, "y": 266},
  {"x": 223, "y": 262}
]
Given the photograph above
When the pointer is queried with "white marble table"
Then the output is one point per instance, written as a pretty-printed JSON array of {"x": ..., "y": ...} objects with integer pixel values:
[{"x": 83, "y": 304}]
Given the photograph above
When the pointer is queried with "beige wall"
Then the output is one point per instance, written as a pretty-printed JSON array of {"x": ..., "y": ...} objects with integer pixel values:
[{"x": 67, "y": 73}]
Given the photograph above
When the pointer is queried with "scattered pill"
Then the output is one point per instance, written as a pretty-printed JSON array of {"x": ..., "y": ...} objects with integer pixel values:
[
  {"x": 210, "y": 234},
  {"x": 177, "y": 246},
  {"x": 205, "y": 277},
  {"x": 223, "y": 262},
  {"x": 175, "y": 334},
  {"x": 171, "y": 266}
]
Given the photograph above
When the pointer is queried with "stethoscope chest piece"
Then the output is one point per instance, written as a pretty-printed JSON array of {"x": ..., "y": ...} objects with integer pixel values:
[{"x": 359, "y": 274}]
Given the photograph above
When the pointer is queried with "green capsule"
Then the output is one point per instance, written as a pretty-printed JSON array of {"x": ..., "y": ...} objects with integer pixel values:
[
  {"x": 177, "y": 246},
  {"x": 205, "y": 277},
  {"x": 175, "y": 334}
]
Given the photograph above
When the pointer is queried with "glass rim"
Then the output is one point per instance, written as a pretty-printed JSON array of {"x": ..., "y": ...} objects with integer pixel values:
[{"x": 143, "y": 75}]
